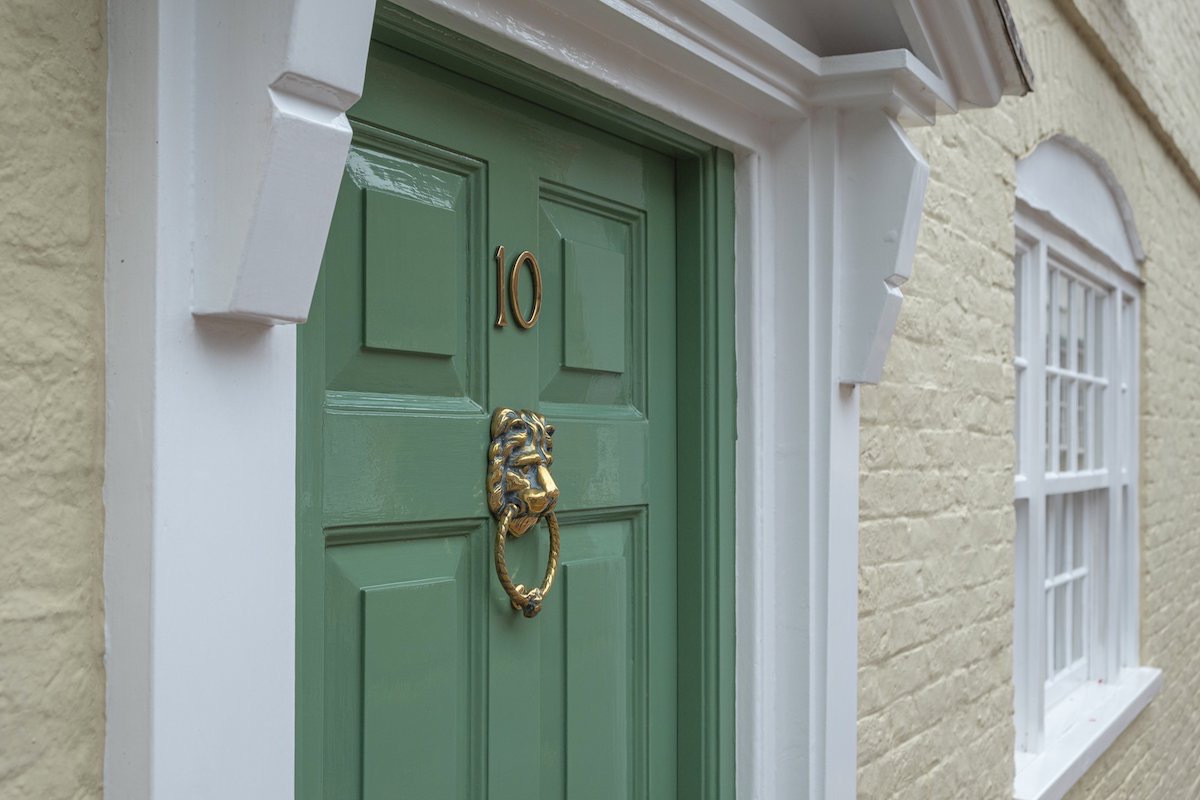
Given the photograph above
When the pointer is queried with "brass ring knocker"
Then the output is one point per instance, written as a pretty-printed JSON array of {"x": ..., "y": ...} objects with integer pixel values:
[
  {"x": 521, "y": 492},
  {"x": 527, "y": 601}
]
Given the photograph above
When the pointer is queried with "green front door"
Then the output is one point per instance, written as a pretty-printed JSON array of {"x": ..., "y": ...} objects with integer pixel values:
[{"x": 417, "y": 677}]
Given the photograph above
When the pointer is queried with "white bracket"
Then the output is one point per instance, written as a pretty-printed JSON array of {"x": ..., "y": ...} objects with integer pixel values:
[
  {"x": 881, "y": 191},
  {"x": 271, "y": 141}
]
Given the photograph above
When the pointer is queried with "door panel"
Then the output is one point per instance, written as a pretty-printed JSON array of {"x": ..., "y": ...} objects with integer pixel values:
[
  {"x": 410, "y": 320},
  {"x": 429, "y": 684},
  {"x": 410, "y": 606},
  {"x": 604, "y": 634},
  {"x": 374, "y": 478},
  {"x": 594, "y": 267}
]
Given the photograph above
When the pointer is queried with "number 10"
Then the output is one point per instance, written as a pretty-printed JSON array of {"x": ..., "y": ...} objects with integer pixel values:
[{"x": 514, "y": 288}]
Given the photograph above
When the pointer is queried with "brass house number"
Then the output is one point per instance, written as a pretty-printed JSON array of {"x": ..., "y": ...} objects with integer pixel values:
[{"x": 514, "y": 289}]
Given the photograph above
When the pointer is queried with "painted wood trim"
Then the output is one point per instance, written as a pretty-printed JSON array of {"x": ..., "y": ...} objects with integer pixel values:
[
  {"x": 881, "y": 185},
  {"x": 1070, "y": 187},
  {"x": 1051, "y": 774},
  {"x": 417, "y": 35},
  {"x": 959, "y": 34},
  {"x": 707, "y": 436},
  {"x": 264, "y": 205}
]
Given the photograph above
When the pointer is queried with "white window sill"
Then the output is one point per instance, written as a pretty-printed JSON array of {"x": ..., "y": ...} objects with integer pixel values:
[{"x": 1080, "y": 729}]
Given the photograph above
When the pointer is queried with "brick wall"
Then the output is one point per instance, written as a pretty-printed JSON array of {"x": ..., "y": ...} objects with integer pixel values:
[{"x": 937, "y": 558}]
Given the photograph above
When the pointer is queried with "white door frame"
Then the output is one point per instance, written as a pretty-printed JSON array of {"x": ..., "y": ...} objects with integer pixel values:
[{"x": 226, "y": 142}]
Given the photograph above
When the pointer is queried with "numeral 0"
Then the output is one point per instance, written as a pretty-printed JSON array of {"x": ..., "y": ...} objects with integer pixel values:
[{"x": 514, "y": 289}]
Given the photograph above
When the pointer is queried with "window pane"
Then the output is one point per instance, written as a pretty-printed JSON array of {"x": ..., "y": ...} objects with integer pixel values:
[
  {"x": 1078, "y": 620},
  {"x": 1060, "y": 627},
  {"x": 1047, "y": 322},
  {"x": 1019, "y": 298},
  {"x": 1078, "y": 332},
  {"x": 1098, "y": 427},
  {"x": 1064, "y": 434},
  {"x": 1051, "y": 535},
  {"x": 1062, "y": 536},
  {"x": 1089, "y": 332},
  {"x": 1063, "y": 293},
  {"x": 1081, "y": 426},
  {"x": 1049, "y": 445},
  {"x": 1078, "y": 530},
  {"x": 1022, "y": 382},
  {"x": 1050, "y": 634}
]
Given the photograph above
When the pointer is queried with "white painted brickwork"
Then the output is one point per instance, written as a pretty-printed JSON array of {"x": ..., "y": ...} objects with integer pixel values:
[{"x": 937, "y": 558}]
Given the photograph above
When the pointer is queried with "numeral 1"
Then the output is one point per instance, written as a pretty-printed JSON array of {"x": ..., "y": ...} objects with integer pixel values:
[{"x": 501, "y": 319}]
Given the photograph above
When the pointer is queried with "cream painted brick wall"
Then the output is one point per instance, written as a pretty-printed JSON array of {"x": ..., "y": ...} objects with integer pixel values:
[
  {"x": 1150, "y": 45},
  {"x": 937, "y": 558},
  {"x": 52, "y": 122}
]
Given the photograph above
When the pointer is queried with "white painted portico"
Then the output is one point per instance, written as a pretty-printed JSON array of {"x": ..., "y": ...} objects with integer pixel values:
[{"x": 227, "y": 137}]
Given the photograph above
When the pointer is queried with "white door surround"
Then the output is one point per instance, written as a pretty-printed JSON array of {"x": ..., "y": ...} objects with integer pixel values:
[{"x": 226, "y": 137}]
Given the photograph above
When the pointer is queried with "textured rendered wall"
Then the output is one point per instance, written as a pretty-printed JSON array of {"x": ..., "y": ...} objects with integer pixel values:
[
  {"x": 936, "y": 581},
  {"x": 52, "y": 97}
]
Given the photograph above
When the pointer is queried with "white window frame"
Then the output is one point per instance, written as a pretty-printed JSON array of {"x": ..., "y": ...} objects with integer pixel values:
[{"x": 1061, "y": 729}]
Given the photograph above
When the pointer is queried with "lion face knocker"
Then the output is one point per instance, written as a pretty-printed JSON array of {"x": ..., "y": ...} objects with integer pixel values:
[
  {"x": 521, "y": 492},
  {"x": 519, "y": 468}
]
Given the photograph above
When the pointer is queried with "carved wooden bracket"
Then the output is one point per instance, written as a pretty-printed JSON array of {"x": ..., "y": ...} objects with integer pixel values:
[
  {"x": 880, "y": 193},
  {"x": 271, "y": 142}
]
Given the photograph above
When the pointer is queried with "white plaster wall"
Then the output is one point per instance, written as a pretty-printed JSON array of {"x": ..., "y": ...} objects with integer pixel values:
[
  {"x": 52, "y": 118},
  {"x": 937, "y": 559}
]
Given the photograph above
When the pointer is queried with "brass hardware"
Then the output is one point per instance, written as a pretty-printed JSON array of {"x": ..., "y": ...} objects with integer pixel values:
[
  {"x": 501, "y": 320},
  {"x": 521, "y": 492},
  {"x": 514, "y": 289}
]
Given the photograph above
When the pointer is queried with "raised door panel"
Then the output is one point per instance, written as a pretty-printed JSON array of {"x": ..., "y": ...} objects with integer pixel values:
[
  {"x": 602, "y": 636},
  {"x": 404, "y": 664},
  {"x": 412, "y": 284},
  {"x": 405, "y": 316},
  {"x": 594, "y": 306},
  {"x": 592, "y": 334},
  {"x": 599, "y": 696},
  {"x": 581, "y": 695}
]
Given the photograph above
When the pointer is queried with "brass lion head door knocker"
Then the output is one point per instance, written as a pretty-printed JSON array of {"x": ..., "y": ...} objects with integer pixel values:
[{"x": 521, "y": 492}]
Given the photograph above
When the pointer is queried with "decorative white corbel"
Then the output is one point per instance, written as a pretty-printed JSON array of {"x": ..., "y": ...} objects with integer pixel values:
[
  {"x": 271, "y": 138},
  {"x": 880, "y": 193}
]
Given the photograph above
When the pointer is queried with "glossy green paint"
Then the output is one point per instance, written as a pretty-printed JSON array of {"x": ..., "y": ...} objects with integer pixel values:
[
  {"x": 415, "y": 249},
  {"x": 415, "y": 678},
  {"x": 593, "y": 307}
]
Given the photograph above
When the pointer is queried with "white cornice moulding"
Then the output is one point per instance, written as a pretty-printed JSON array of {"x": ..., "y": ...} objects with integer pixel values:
[
  {"x": 974, "y": 47},
  {"x": 271, "y": 138},
  {"x": 725, "y": 48}
]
